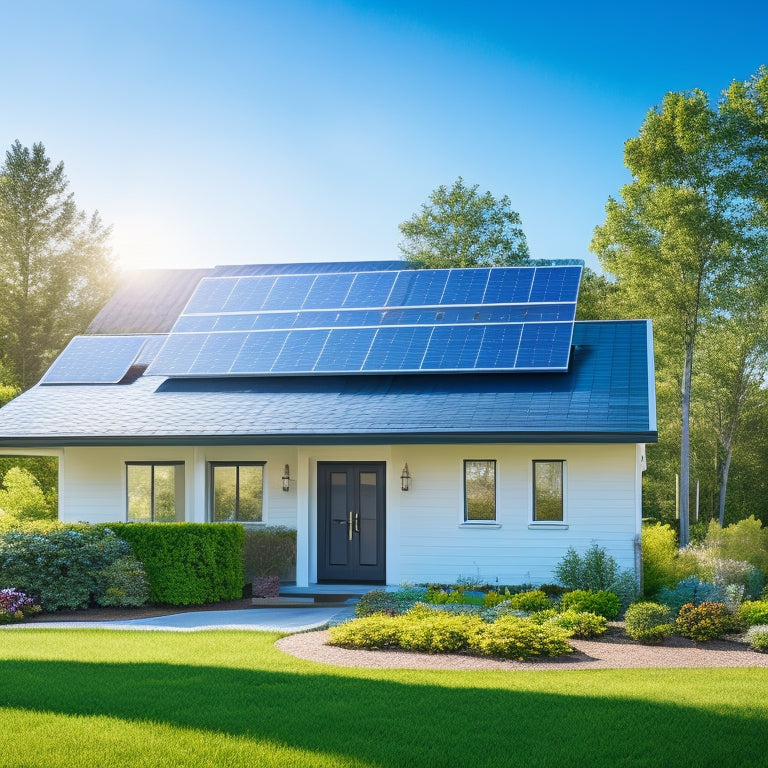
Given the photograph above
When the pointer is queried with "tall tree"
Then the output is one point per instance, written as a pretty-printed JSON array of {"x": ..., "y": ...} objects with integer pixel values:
[
  {"x": 461, "y": 227},
  {"x": 691, "y": 224},
  {"x": 55, "y": 264}
]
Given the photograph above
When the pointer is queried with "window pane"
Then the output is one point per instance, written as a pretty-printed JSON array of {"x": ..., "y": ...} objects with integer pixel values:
[
  {"x": 480, "y": 490},
  {"x": 250, "y": 494},
  {"x": 547, "y": 490},
  {"x": 139, "y": 483},
  {"x": 224, "y": 493},
  {"x": 165, "y": 494}
]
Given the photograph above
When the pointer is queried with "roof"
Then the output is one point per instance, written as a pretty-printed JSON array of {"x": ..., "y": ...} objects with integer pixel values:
[{"x": 606, "y": 396}]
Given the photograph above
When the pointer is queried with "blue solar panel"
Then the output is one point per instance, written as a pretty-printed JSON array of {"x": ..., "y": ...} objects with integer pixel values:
[
  {"x": 94, "y": 360},
  {"x": 517, "y": 318}
]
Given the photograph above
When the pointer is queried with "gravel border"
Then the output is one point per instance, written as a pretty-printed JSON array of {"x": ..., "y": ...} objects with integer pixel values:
[{"x": 589, "y": 654}]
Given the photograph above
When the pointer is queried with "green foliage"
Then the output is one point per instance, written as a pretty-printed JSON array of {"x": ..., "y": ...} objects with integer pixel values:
[
  {"x": 692, "y": 591},
  {"x": 579, "y": 623},
  {"x": 7, "y": 393},
  {"x": 535, "y": 600},
  {"x": 122, "y": 583},
  {"x": 649, "y": 623},
  {"x": 60, "y": 568},
  {"x": 461, "y": 227},
  {"x": 704, "y": 622},
  {"x": 188, "y": 563},
  {"x": 602, "y": 603},
  {"x": 757, "y": 637},
  {"x": 752, "y": 612},
  {"x": 435, "y": 631},
  {"x": 660, "y": 564},
  {"x": 744, "y": 540},
  {"x": 390, "y": 603},
  {"x": 596, "y": 570},
  {"x": 515, "y": 638},
  {"x": 15, "y": 605},
  {"x": 22, "y": 498},
  {"x": 55, "y": 261},
  {"x": 452, "y": 597},
  {"x": 269, "y": 551}
]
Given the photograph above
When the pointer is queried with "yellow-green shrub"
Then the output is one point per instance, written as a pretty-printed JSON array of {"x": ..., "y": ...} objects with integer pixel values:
[
  {"x": 376, "y": 631},
  {"x": 515, "y": 638}
]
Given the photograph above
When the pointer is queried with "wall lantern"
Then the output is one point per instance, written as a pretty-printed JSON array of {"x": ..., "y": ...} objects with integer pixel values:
[
  {"x": 405, "y": 479},
  {"x": 286, "y": 478}
]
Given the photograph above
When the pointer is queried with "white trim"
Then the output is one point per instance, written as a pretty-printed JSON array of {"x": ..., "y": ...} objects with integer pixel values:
[{"x": 532, "y": 523}]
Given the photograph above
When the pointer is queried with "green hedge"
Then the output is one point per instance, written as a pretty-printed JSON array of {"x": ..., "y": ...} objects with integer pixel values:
[{"x": 188, "y": 563}]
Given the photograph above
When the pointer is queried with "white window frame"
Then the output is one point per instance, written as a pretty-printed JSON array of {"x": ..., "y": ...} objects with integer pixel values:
[
  {"x": 532, "y": 522},
  {"x": 467, "y": 522},
  {"x": 180, "y": 513},
  {"x": 210, "y": 492}
]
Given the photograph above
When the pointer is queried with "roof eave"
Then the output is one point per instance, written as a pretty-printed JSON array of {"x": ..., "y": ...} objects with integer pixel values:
[{"x": 359, "y": 438}]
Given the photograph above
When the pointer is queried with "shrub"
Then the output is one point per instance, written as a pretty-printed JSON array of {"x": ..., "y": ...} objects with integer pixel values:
[
  {"x": 60, "y": 568},
  {"x": 122, "y": 584},
  {"x": 429, "y": 631},
  {"x": 598, "y": 571},
  {"x": 660, "y": 563},
  {"x": 453, "y": 597},
  {"x": 704, "y": 622},
  {"x": 21, "y": 496},
  {"x": 269, "y": 551},
  {"x": 602, "y": 603},
  {"x": 752, "y": 612},
  {"x": 505, "y": 609},
  {"x": 15, "y": 605},
  {"x": 757, "y": 637},
  {"x": 690, "y": 590},
  {"x": 745, "y": 540},
  {"x": 649, "y": 622},
  {"x": 390, "y": 603},
  {"x": 188, "y": 563},
  {"x": 514, "y": 638},
  {"x": 580, "y": 623},
  {"x": 535, "y": 600},
  {"x": 375, "y": 631}
]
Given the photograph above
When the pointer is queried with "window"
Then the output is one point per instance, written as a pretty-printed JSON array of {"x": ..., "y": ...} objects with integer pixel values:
[
  {"x": 155, "y": 491},
  {"x": 237, "y": 491},
  {"x": 479, "y": 490},
  {"x": 548, "y": 491}
]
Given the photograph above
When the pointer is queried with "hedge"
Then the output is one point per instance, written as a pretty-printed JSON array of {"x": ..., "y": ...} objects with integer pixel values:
[{"x": 188, "y": 563}]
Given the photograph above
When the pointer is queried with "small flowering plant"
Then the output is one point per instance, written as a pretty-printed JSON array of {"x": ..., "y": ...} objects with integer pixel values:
[{"x": 15, "y": 605}]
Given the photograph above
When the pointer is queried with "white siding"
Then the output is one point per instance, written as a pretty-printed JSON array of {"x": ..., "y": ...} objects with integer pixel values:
[{"x": 427, "y": 539}]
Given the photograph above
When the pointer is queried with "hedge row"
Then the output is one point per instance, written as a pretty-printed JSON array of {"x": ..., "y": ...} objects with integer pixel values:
[{"x": 187, "y": 563}]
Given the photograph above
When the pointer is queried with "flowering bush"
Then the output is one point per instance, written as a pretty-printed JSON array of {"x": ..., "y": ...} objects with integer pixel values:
[
  {"x": 757, "y": 637},
  {"x": 15, "y": 605},
  {"x": 704, "y": 622}
]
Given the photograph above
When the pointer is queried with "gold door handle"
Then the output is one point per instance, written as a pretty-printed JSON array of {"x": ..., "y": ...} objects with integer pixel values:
[{"x": 350, "y": 525}]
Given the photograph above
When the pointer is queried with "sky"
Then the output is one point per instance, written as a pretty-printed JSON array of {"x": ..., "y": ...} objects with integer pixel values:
[{"x": 266, "y": 131}]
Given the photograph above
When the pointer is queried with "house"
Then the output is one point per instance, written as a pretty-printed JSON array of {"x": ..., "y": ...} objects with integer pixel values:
[{"x": 413, "y": 426}]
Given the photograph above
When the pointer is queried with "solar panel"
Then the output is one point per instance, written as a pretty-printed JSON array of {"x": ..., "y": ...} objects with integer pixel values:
[
  {"x": 94, "y": 360},
  {"x": 501, "y": 318}
]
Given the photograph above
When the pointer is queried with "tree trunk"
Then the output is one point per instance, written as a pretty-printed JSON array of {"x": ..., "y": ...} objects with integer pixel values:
[
  {"x": 724, "y": 484},
  {"x": 685, "y": 446}
]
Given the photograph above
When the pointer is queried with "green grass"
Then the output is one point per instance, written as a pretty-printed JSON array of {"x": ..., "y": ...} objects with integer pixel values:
[{"x": 103, "y": 698}]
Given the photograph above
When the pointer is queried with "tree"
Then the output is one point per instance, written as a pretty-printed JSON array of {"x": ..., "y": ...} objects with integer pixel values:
[
  {"x": 460, "y": 227},
  {"x": 55, "y": 264},
  {"x": 22, "y": 498},
  {"x": 733, "y": 365},
  {"x": 692, "y": 223}
]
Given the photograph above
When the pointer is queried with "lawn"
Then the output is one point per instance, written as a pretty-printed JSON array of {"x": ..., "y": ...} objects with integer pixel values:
[{"x": 96, "y": 698}]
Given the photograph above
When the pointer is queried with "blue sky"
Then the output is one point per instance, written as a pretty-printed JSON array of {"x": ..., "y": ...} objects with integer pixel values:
[{"x": 307, "y": 130}]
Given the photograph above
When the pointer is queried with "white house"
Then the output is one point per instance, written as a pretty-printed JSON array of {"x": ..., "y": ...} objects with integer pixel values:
[{"x": 413, "y": 426}]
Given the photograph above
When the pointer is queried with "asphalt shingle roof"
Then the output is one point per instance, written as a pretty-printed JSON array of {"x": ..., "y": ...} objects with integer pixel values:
[{"x": 607, "y": 395}]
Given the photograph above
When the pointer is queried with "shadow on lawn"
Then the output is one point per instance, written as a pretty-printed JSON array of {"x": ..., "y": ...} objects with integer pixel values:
[{"x": 390, "y": 723}]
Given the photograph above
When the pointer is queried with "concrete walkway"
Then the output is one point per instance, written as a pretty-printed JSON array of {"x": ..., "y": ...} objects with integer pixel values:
[{"x": 263, "y": 620}]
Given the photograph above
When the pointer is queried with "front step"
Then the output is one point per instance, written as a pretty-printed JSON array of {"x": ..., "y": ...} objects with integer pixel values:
[{"x": 306, "y": 600}]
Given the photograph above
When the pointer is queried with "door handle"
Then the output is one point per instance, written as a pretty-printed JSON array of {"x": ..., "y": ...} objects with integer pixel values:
[
  {"x": 350, "y": 525},
  {"x": 357, "y": 522}
]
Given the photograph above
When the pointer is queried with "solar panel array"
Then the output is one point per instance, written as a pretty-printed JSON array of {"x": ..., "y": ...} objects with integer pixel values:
[
  {"x": 448, "y": 320},
  {"x": 101, "y": 359}
]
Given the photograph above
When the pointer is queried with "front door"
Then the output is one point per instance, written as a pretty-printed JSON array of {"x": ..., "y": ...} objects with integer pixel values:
[{"x": 350, "y": 517}]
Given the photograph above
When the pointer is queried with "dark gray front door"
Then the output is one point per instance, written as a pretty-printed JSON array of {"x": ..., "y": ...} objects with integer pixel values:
[{"x": 350, "y": 517}]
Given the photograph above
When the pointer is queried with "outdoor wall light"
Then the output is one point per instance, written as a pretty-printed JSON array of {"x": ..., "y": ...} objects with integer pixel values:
[
  {"x": 286, "y": 478},
  {"x": 405, "y": 479}
]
